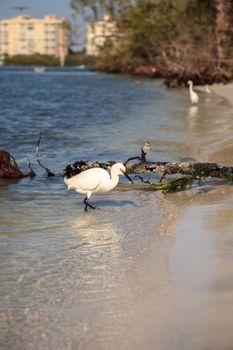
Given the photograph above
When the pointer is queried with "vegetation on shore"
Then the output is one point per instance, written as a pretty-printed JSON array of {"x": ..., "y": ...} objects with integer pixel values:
[
  {"x": 173, "y": 39},
  {"x": 28, "y": 60},
  {"x": 48, "y": 60},
  {"x": 177, "y": 40}
]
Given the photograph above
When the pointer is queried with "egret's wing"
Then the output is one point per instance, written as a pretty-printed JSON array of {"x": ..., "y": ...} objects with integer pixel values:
[{"x": 88, "y": 180}]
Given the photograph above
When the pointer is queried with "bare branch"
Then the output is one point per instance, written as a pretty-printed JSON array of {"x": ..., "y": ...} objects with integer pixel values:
[
  {"x": 48, "y": 172},
  {"x": 31, "y": 172}
]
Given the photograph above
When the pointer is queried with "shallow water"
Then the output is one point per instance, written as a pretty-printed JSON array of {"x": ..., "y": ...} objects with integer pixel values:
[{"x": 144, "y": 271}]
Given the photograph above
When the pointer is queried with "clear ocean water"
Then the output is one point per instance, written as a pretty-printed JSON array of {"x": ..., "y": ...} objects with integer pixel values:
[{"x": 112, "y": 278}]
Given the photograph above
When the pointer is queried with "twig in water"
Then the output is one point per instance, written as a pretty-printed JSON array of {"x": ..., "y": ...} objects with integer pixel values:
[
  {"x": 132, "y": 158},
  {"x": 142, "y": 180},
  {"x": 31, "y": 172},
  {"x": 48, "y": 172}
]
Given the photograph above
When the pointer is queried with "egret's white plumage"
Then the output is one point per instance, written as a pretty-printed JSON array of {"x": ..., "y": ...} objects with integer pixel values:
[
  {"x": 193, "y": 95},
  {"x": 96, "y": 180}
]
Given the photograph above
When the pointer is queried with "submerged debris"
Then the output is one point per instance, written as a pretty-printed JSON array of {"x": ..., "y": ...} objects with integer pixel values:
[{"x": 9, "y": 169}]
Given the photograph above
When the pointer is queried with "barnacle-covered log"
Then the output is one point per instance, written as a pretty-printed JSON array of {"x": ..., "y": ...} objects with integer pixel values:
[
  {"x": 195, "y": 170},
  {"x": 185, "y": 168}
]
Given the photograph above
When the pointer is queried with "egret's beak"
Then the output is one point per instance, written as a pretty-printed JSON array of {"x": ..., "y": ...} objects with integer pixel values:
[{"x": 127, "y": 176}]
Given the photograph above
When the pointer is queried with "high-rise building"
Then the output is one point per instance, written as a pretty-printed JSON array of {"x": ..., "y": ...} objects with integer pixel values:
[
  {"x": 97, "y": 33},
  {"x": 25, "y": 35}
]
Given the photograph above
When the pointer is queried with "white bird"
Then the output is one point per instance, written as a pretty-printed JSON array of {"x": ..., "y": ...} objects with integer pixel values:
[
  {"x": 193, "y": 95},
  {"x": 96, "y": 180}
]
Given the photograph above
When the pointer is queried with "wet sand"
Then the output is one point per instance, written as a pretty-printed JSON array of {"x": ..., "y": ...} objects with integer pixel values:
[
  {"x": 225, "y": 154},
  {"x": 201, "y": 259}
]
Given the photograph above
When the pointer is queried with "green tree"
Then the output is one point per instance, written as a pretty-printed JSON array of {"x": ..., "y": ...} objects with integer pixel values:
[
  {"x": 35, "y": 59},
  {"x": 150, "y": 25},
  {"x": 99, "y": 7},
  {"x": 190, "y": 38}
]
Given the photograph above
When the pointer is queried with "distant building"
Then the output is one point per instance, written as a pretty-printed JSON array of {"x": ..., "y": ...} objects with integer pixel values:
[
  {"x": 25, "y": 35},
  {"x": 97, "y": 33}
]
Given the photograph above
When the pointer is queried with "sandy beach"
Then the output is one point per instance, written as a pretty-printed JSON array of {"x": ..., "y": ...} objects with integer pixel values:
[
  {"x": 202, "y": 258},
  {"x": 225, "y": 90},
  {"x": 225, "y": 154}
]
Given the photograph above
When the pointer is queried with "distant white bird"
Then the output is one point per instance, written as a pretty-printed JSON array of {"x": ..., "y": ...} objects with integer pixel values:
[
  {"x": 193, "y": 95},
  {"x": 96, "y": 180}
]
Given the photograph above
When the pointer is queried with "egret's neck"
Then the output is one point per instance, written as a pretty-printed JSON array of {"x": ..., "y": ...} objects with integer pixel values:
[{"x": 114, "y": 179}]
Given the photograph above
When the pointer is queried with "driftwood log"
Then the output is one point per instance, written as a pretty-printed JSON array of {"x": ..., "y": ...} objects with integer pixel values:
[
  {"x": 142, "y": 166},
  {"x": 138, "y": 166},
  {"x": 198, "y": 170},
  {"x": 192, "y": 171},
  {"x": 185, "y": 168}
]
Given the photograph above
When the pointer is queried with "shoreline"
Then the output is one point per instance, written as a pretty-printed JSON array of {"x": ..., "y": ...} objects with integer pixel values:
[
  {"x": 220, "y": 89},
  {"x": 224, "y": 154},
  {"x": 224, "y": 90},
  {"x": 201, "y": 255}
]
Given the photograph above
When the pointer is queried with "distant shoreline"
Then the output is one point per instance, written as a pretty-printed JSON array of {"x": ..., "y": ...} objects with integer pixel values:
[{"x": 224, "y": 89}]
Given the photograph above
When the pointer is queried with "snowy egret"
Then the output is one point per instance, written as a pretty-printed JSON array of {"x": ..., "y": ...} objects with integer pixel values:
[
  {"x": 193, "y": 95},
  {"x": 96, "y": 180}
]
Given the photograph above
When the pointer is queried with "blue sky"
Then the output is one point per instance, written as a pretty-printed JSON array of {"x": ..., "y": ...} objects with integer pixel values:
[
  {"x": 40, "y": 8},
  {"x": 37, "y": 8}
]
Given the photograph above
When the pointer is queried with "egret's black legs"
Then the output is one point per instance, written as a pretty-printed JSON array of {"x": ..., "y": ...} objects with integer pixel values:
[{"x": 87, "y": 204}]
